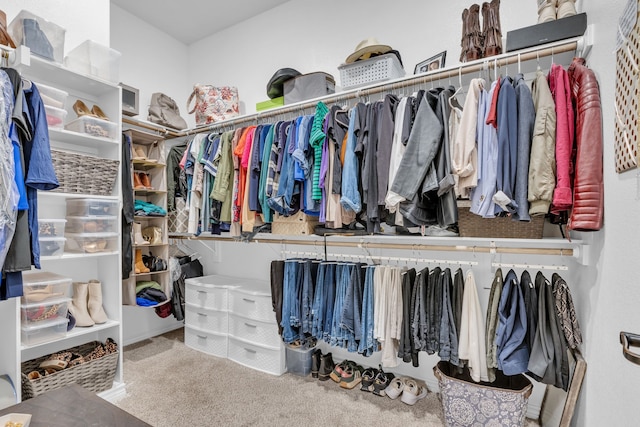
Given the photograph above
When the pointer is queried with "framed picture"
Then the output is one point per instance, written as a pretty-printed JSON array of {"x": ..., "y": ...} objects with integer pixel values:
[{"x": 433, "y": 63}]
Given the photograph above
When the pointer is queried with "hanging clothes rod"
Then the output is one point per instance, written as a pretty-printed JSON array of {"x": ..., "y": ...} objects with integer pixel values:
[
  {"x": 494, "y": 62},
  {"x": 530, "y": 266},
  {"x": 379, "y": 258},
  {"x": 492, "y": 248}
]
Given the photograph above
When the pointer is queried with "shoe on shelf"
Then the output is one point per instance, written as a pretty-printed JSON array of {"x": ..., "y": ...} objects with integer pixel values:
[
  {"x": 368, "y": 378},
  {"x": 412, "y": 392},
  {"x": 81, "y": 109},
  {"x": 315, "y": 362},
  {"x": 138, "y": 154},
  {"x": 140, "y": 268},
  {"x": 78, "y": 304},
  {"x": 395, "y": 387},
  {"x": 382, "y": 381},
  {"x": 326, "y": 367},
  {"x": 97, "y": 111},
  {"x": 137, "y": 234},
  {"x": 144, "y": 179},
  {"x": 546, "y": 11},
  {"x": 137, "y": 183},
  {"x": 94, "y": 303},
  {"x": 566, "y": 8},
  {"x": 351, "y": 376},
  {"x": 152, "y": 234}
]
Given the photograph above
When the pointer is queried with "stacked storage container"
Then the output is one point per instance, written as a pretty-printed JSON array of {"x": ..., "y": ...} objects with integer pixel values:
[{"x": 92, "y": 225}]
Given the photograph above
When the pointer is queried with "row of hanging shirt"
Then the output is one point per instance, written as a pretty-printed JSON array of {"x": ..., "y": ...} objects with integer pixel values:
[
  {"x": 401, "y": 160},
  {"x": 26, "y": 166},
  {"x": 401, "y": 311}
]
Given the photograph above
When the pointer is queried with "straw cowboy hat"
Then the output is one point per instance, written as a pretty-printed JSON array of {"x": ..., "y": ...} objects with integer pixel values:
[
  {"x": 5, "y": 38},
  {"x": 367, "y": 47}
]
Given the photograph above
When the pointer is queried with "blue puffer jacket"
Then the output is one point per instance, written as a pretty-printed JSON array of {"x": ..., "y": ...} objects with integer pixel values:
[{"x": 513, "y": 354}]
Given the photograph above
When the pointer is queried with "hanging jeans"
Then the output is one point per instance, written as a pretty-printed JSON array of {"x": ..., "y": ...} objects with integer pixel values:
[
  {"x": 290, "y": 301},
  {"x": 330, "y": 283},
  {"x": 318, "y": 306},
  {"x": 405, "y": 349},
  {"x": 368, "y": 344},
  {"x": 350, "y": 320},
  {"x": 310, "y": 269},
  {"x": 338, "y": 333},
  {"x": 434, "y": 310}
]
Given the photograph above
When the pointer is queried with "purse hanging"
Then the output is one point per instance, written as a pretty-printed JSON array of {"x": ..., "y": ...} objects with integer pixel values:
[{"x": 213, "y": 103}]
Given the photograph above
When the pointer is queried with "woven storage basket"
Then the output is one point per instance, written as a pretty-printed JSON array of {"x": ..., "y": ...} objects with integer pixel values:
[
  {"x": 298, "y": 224},
  {"x": 380, "y": 68},
  {"x": 467, "y": 403},
  {"x": 95, "y": 375},
  {"x": 85, "y": 174},
  {"x": 472, "y": 225}
]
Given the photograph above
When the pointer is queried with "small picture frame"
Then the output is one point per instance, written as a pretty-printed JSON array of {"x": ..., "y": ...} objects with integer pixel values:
[{"x": 433, "y": 63}]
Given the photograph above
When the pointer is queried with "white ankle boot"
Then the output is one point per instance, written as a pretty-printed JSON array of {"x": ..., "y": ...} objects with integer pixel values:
[
  {"x": 137, "y": 235},
  {"x": 546, "y": 10},
  {"x": 94, "y": 303},
  {"x": 566, "y": 8},
  {"x": 78, "y": 305}
]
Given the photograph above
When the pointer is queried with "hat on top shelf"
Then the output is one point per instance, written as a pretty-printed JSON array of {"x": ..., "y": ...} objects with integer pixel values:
[
  {"x": 5, "y": 38},
  {"x": 366, "y": 48},
  {"x": 275, "y": 87}
]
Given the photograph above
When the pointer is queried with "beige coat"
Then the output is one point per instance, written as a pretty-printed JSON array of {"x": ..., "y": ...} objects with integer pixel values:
[{"x": 464, "y": 156}]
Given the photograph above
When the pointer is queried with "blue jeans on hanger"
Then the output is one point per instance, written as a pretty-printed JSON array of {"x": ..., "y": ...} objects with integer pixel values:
[
  {"x": 352, "y": 310},
  {"x": 338, "y": 333},
  {"x": 307, "y": 297},
  {"x": 350, "y": 199},
  {"x": 326, "y": 309},
  {"x": 317, "y": 307},
  {"x": 289, "y": 300},
  {"x": 368, "y": 344}
]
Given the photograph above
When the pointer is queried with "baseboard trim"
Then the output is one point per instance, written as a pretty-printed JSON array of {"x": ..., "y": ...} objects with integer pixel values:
[
  {"x": 115, "y": 393},
  {"x": 153, "y": 333}
]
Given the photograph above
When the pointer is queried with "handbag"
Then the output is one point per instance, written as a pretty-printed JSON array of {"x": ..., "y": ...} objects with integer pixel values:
[
  {"x": 213, "y": 103},
  {"x": 164, "y": 111}
]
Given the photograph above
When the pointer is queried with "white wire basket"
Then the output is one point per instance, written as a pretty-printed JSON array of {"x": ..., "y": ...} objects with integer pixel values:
[{"x": 380, "y": 68}]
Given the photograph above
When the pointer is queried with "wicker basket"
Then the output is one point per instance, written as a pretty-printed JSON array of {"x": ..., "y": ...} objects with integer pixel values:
[
  {"x": 95, "y": 375},
  {"x": 380, "y": 68},
  {"x": 298, "y": 224},
  {"x": 467, "y": 403},
  {"x": 472, "y": 225},
  {"x": 85, "y": 174}
]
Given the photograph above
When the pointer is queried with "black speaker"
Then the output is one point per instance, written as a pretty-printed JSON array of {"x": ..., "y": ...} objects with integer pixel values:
[{"x": 547, "y": 32}]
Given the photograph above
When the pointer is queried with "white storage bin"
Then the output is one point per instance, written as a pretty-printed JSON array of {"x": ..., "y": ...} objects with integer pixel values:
[
  {"x": 252, "y": 304},
  {"x": 92, "y": 224},
  {"x": 206, "y": 319},
  {"x": 207, "y": 342},
  {"x": 261, "y": 358},
  {"x": 52, "y": 246},
  {"x": 41, "y": 286},
  {"x": 262, "y": 333},
  {"x": 377, "y": 69},
  {"x": 94, "y": 127},
  {"x": 51, "y": 227},
  {"x": 51, "y": 96},
  {"x": 92, "y": 207},
  {"x": 38, "y": 312},
  {"x": 55, "y": 117},
  {"x": 44, "y": 332},
  {"x": 92, "y": 242},
  {"x": 207, "y": 296},
  {"x": 95, "y": 59},
  {"x": 44, "y": 38}
]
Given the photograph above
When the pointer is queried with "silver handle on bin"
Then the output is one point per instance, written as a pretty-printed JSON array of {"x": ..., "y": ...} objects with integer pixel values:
[
  {"x": 202, "y": 292},
  {"x": 250, "y": 325},
  {"x": 250, "y": 350},
  {"x": 627, "y": 340},
  {"x": 248, "y": 300},
  {"x": 202, "y": 314},
  {"x": 204, "y": 337}
]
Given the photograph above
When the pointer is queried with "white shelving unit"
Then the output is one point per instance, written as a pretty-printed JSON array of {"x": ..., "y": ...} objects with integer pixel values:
[{"x": 104, "y": 266}]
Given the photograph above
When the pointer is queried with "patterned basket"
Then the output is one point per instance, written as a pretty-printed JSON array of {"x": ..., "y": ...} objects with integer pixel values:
[
  {"x": 85, "y": 174},
  {"x": 95, "y": 375},
  {"x": 472, "y": 225},
  {"x": 298, "y": 224},
  {"x": 467, "y": 403}
]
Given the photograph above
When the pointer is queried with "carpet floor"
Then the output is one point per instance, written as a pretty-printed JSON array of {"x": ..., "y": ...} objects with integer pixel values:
[{"x": 170, "y": 384}]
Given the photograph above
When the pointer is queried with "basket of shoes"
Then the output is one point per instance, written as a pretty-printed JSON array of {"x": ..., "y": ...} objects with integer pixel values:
[
  {"x": 467, "y": 403},
  {"x": 91, "y": 365}
]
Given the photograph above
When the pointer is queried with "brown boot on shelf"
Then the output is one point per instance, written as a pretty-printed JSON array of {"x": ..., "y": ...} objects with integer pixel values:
[
  {"x": 474, "y": 33},
  {"x": 137, "y": 235},
  {"x": 140, "y": 268},
  {"x": 94, "y": 303},
  {"x": 137, "y": 183},
  {"x": 144, "y": 179},
  {"x": 464, "y": 42},
  {"x": 78, "y": 305}
]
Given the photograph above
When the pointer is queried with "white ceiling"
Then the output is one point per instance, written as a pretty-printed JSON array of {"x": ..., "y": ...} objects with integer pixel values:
[{"x": 191, "y": 20}]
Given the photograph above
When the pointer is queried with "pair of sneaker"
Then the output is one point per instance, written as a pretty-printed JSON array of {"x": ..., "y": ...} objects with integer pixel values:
[
  {"x": 347, "y": 373},
  {"x": 407, "y": 389},
  {"x": 376, "y": 380},
  {"x": 550, "y": 10}
]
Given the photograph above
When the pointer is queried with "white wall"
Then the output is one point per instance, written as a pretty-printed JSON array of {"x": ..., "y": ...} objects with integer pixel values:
[
  {"x": 319, "y": 36},
  {"x": 82, "y": 20},
  {"x": 151, "y": 61}
]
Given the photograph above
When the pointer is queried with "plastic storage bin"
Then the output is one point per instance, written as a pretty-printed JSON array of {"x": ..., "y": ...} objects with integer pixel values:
[
  {"x": 41, "y": 286},
  {"x": 55, "y": 116},
  {"x": 42, "y": 332},
  {"x": 299, "y": 360},
  {"x": 380, "y": 68},
  {"x": 92, "y": 224},
  {"x": 52, "y": 246},
  {"x": 51, "y": 227},
  {"x": 92, "y": 242},
  {"x": 44, "y": 38},
  {"x": 94, "y": 127},
  {"x": 92, "y": 207},
  {"x": 51, "y": 96},
  {"x": 95, "y": 59},
  {"x": 38, "y": 312}
]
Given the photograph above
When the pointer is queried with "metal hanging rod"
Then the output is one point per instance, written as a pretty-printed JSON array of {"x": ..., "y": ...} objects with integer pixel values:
[
  {"x": 494, "y": 62},
  {"x": 380, "y": 258},
  {"x": 530, "y": 266}
]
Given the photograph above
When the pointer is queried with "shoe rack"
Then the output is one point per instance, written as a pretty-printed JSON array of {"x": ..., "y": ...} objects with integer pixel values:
[
  {"x": 104, "y": 265},
  {"x": 148, "y": 172}
]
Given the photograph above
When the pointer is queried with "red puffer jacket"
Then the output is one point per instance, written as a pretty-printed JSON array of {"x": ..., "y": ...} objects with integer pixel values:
[{"x": 588, "y": 186}]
